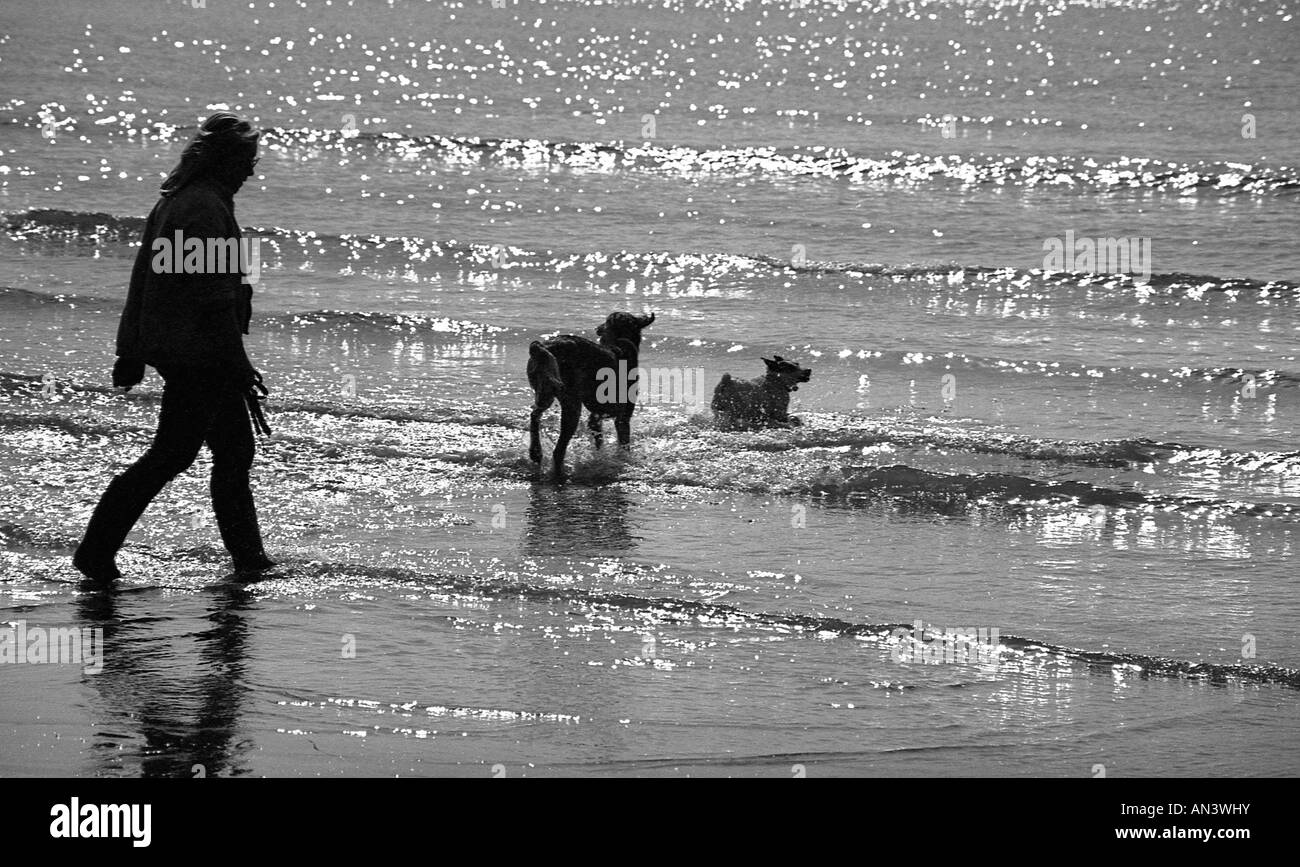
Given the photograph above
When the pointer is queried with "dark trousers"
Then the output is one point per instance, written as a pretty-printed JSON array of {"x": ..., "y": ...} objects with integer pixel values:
[{"x": 198, "y": 407}]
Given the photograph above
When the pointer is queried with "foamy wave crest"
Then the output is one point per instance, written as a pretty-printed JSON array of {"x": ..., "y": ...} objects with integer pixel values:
[
  {"x": 289, "y": 248},
  {"x": 895, "y": 167}
]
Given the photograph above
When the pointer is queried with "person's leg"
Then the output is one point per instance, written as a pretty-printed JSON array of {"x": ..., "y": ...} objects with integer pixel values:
[
  {"x": 230, "y": 439},
  {"x": 183, "y": 421}
]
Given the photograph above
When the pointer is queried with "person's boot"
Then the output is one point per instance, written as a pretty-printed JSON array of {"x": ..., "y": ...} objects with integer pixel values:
[
  {"x": 237, "y": 520},
  {"x": 119, "y": 508}
]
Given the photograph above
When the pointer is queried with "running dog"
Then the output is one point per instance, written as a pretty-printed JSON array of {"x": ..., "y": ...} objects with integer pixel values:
[
  {"x": 761, "y": 402},
  {"x": 579, "y": 372}
]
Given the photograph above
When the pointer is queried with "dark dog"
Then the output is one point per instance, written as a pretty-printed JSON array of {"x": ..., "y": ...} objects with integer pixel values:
[
  {"x": 579, "y": 372},
  {"x": 761, "y": 402}
]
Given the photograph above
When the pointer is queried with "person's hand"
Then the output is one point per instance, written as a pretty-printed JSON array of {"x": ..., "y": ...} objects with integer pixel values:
[
  {"x": 255, "y": 392},
  {"x": 254, "y": 385},
  {"x": 247, "y": 380},
  {"x": 127, "y": 372}
]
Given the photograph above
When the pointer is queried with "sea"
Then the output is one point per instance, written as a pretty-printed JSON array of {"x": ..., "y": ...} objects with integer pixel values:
[{"x": 1040, "y": 518}]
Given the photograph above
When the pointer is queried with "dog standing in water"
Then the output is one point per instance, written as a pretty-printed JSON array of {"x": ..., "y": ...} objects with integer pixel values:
[
  {"x": 761, "y": 402},
  {"x": 577, "y": 372}
]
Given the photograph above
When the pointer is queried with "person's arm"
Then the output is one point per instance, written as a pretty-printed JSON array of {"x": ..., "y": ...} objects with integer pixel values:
[
  {"x": 128, "y": 369},
  {"x": 213, "y": 294},
  {"x": 228, "y": 343}
]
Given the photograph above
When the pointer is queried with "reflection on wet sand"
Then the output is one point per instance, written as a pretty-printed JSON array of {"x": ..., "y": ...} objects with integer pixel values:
[
  {"x": 184, "y": 706},
  {"x": 577, "y": 519}
]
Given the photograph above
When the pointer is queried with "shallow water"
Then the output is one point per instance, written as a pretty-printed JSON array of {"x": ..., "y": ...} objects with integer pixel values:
[{"x": 1102, "y": 470}]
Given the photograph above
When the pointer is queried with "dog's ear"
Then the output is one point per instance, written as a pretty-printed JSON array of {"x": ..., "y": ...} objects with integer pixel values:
[
  {"x": 777, "y": 358},
  {"x": 611, "y": 324},
  {"x": 771, "y": 362}
]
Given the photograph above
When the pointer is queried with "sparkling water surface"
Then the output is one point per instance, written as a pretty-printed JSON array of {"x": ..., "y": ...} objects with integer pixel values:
[{"x": 1101, "y": 468}]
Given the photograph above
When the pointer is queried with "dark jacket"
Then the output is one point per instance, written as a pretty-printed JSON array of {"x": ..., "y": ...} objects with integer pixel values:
[{"x": 195, "y": 319}]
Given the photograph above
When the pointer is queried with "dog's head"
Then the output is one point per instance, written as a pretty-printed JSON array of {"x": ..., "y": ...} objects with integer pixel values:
[
  {"x": 786, "y": 373},
  {"x": 623, "y": 326}
]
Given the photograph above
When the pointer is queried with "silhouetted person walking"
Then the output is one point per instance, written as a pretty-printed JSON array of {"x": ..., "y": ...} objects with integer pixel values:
[{"x": 187, "y": 323}]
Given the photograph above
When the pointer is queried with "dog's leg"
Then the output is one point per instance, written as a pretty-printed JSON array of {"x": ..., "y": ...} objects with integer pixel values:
[
  {"x": 595, "y": 421},
  {"x": 535, "y": 441},
  {"x": 569, "y": 413},
  {"x": 623, "y": 424},
  {"x": 781, "y": 410}
]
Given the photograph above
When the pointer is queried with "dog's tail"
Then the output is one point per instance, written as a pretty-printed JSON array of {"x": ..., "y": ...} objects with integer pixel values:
[{"x": 543, "y": 370}]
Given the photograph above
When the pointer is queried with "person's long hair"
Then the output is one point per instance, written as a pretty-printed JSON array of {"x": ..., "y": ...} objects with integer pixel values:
[{"x": 219, "y": 148}]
